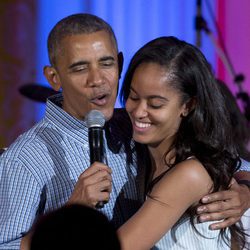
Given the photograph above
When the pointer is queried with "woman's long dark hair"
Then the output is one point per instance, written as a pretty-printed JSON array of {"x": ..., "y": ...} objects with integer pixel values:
[
  {"x": 206, "y": 131},
  {"x": 241, "y": 133}
]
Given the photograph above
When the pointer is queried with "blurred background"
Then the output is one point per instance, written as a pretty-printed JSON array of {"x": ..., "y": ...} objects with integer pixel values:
[{"x": 219, "y": 27}]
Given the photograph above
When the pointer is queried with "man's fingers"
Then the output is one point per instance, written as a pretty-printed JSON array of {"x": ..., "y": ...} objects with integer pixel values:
[
  {"x": 95, "y": 177},
  {"x": 218, "y": 196},
  {"x": 223, "y": 195},
  {"x": 218, "y": 211},
  {"x": 232, "y": 202},
  {"x": 223, "y": 224},
  {"x": 99, "y": 191},
  {"x": 214, "y": 207},
  {"x": 93, "y": 185},
  {"x": 95, "y": 167},
  {"x": 104, "y": 196},
  {"x": 220, "y": 215},
  {"x": 224, "y": 206},
  {"x": 104, "y": 185}
]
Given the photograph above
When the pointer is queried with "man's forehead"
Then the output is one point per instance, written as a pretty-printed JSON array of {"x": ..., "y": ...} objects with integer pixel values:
[
  {"x": 97, "y": 45},
  {"x": 86, "y": 47},
  {"x": 94, "y": 41},
  {"x": 100, "y": 36}
]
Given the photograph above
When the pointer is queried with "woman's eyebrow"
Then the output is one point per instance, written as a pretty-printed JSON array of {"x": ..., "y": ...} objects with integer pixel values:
[{"x": 150, "y": 96}]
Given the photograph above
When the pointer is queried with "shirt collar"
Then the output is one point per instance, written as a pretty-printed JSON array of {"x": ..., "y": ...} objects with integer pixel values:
[{"x": 68, "y": 124}]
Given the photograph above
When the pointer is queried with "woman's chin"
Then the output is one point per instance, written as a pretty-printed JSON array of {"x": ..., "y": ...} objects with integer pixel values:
[{"x": 140, "y": 139}]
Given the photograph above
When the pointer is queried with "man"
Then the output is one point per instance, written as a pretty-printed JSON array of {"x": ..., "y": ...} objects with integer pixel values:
[{"x": 45, "y": 167}]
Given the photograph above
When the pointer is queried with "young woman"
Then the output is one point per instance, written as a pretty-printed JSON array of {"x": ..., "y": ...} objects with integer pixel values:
[{"x": 177, "y": 110}]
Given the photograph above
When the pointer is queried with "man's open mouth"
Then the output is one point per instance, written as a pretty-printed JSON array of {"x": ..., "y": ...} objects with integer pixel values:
[{"x": 100, "y": 100}]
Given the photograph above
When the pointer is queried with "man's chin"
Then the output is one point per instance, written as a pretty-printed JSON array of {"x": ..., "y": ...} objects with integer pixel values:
[
  {"x": 107, "y": 111},
  {"x": 107, "y": 114}
]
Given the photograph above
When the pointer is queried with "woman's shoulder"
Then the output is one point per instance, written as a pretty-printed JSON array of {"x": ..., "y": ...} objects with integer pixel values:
[
  {"x": 189, "y": 177},
  {"x": 191, "y": 167},
  {"x": 193, "y": 170}
]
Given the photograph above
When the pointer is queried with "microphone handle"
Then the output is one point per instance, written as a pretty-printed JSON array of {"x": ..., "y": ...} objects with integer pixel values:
[
  {"x": 96, "y": 151},
  {"x": 96, "y": 144}
]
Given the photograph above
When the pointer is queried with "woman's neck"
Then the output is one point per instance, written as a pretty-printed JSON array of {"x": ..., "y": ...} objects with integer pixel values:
[{"x": 161, "y": 158}]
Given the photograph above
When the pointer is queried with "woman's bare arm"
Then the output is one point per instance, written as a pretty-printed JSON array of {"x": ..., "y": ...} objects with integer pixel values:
[{"x": 180, "y": 188}]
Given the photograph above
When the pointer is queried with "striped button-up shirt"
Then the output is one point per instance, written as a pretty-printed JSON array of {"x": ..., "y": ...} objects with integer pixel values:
[
  {"x": 39, "y": 170},
  {"x": 245, "y": 165}
]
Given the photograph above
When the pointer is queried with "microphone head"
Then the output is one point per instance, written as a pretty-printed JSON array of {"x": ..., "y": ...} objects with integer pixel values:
[{"x": 95, "y": 118}]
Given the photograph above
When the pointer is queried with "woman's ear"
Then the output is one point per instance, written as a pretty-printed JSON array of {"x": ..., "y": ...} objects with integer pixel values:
[
  {"x": 52, "y": 77},
  {"x": 189, "y": 106}
]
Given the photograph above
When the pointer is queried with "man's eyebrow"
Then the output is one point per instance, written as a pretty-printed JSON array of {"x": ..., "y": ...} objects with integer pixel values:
[
  {"x": 78, "y": 63},
  {"x": 106, "y": 58},
  {"x": 102, "y": 59}
]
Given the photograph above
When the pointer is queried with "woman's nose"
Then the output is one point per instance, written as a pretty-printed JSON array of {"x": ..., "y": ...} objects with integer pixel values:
[{"x": 140, "y": 110}]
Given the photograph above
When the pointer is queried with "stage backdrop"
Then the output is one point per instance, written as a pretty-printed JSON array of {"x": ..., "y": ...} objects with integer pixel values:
[
  {"x": 18, "y": 51},
  {"x": 234, "y": 22},
  {"x": 25, "y": 25}
]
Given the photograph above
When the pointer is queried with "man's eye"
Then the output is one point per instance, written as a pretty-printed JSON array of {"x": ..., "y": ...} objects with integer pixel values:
[
  {"x": 108, "y": 64},
  {"x": 77, "y": 69}
]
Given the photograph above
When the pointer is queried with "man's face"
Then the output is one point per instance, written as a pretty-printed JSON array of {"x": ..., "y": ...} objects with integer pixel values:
[{"x": 87, "y": 71}]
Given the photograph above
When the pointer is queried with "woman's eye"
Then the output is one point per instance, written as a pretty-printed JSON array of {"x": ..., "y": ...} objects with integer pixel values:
[
  {"x": 155, "y": 106},
  {"x": 133, "y": 98}
]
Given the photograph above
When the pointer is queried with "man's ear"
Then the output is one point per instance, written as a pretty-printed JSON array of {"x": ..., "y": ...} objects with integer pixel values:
[
  {"x": 52, "y": 77},
  {"x": 120, "y": 63}
]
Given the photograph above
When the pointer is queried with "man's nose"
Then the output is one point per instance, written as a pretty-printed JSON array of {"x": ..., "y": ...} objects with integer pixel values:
[{"x": 95, "y": 77}]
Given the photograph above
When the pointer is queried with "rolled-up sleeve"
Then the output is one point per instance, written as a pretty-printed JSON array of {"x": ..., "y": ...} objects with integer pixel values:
[
  {"x": 245, "y": 165},
  {"x": 19, "y": 201}
]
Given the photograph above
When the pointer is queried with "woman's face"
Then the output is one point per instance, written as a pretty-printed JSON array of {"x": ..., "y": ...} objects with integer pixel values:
[{"x": 154, "y": 106}]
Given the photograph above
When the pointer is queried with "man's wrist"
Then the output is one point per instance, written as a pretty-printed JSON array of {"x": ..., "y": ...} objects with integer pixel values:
[
  {"x": 244, "y": 182},
  {"x": 246, "y": 185}
]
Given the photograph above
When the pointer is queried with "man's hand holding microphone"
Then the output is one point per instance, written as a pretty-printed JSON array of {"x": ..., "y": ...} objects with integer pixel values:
[{"x": 93, "y": 187}]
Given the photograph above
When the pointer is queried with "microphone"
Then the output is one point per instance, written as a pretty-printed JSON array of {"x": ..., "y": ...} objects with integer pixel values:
[
  {"x": 198, "y": 23},
  {"x": 95, "y": 121}
]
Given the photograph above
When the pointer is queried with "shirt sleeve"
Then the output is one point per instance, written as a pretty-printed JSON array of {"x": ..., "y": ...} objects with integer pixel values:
[
  {"x": 245, "y": 165},
  {"x": 13, "y": 245},
  {"x": 19, "y": 201}
]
